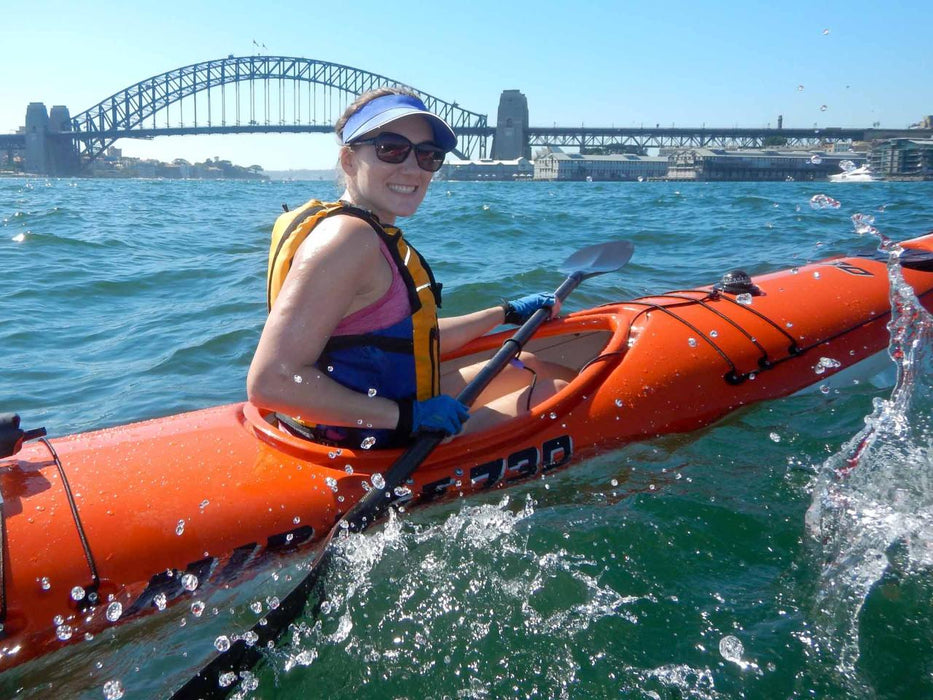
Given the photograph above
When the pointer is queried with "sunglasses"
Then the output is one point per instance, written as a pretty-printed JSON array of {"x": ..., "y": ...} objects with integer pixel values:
[{"x": 394, "y": 148}]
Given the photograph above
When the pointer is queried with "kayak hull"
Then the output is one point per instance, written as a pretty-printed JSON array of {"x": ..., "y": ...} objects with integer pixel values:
[{"x": 104, "y": 526}]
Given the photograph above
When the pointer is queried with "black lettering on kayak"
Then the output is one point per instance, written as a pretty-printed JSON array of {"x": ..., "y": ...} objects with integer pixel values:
[
  {"x": 850, "y": 268},
  {"x": 523, "y": 463},
  {"x": 520, "y": 464},
  {"x": 487, "y": 474},
  {"x": 436, "y": 488},
  {"x": 557, "y": 451}
]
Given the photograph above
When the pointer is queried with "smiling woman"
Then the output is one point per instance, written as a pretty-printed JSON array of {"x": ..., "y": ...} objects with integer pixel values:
[{"x": 350, "y": 352}]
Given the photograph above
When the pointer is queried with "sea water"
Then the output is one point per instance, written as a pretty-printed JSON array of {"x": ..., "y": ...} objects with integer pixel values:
[{"x": 784, "y": 552}]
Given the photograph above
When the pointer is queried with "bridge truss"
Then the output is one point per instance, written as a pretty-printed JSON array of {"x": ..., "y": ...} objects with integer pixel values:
[
  {"x": 639, "y": 140},
  {"x": 251, "y": 94}
]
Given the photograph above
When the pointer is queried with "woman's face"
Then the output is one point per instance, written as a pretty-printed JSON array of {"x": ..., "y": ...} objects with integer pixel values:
[{"x": 388, "y": 190}]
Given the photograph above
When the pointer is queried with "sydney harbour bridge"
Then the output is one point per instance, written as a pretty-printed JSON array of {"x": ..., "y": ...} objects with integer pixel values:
[{"x": 278, "y": 94}]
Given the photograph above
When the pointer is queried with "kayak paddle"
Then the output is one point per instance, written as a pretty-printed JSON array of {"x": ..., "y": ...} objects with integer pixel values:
[{"x": 219, "y": 677}]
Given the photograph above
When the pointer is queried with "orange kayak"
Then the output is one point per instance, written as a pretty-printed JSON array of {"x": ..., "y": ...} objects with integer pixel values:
[{"x": 104, "y": 526}]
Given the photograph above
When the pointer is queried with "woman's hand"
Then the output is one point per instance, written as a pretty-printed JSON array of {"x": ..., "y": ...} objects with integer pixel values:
[
  {"x": 443, "y": 413},
  {"x": 520, "y": 310}
]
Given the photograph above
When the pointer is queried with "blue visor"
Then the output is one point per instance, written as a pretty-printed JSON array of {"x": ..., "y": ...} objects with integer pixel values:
[{"x": 384, "y": 110}]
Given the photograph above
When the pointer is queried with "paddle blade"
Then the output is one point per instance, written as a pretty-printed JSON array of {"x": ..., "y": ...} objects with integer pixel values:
[{"x": 599, "y": 258}]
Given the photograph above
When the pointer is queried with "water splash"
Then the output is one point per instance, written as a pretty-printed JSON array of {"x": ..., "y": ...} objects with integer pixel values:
[
  {"x": 474, "y": 572},
  {"x": 872, "y": 508}
]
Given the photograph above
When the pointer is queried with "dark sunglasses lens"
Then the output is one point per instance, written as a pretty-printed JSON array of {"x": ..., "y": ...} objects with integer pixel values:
[
  {"x": 429, "y": 158},
  {"x": 392, "y": 149}
]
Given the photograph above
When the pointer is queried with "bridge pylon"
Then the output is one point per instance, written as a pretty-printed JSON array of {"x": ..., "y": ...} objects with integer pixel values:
[{"x": 511, "y": 136}]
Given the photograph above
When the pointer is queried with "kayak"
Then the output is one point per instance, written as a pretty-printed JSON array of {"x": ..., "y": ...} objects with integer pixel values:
[{"x": 103, "y": 527}]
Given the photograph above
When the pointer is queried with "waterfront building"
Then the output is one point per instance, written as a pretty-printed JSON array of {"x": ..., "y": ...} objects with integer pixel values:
[
  {"x": 574, "y": 166},
  {"x": 487, "y": 169},
  {"x": 717, "y": 164},
  {"x": 908, "y": 159}
]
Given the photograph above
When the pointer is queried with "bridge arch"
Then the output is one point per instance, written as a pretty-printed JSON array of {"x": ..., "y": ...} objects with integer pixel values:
[{"x": 329, "y": 86}]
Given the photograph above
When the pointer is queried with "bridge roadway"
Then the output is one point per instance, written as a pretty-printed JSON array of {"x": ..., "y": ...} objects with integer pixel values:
[{"x": 586, "y": 139}]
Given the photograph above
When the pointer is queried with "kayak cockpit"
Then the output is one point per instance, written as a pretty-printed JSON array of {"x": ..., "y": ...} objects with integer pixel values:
[{"x": 587, "y": 345}]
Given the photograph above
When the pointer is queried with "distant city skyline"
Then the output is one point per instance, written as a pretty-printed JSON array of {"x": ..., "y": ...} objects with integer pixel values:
[{"x": 601, "y": 63}]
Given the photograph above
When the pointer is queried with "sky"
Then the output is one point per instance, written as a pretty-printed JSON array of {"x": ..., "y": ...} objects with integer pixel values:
[{"x": 590, "y": 62}]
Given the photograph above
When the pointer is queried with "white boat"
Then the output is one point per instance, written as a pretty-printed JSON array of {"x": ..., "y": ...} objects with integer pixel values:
[{"x": 850, "y": 173}]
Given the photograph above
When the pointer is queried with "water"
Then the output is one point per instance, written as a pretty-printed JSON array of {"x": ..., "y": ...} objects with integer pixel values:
[{"x": 682, "y": 567}]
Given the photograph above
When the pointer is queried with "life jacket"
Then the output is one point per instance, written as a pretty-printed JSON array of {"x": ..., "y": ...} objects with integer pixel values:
[{"x": 398, "y": 362}]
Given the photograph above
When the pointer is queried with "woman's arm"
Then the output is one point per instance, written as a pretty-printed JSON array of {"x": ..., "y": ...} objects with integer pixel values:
[
  {"x": 337, "y": 271},
  {"x": 457, "y": 331}
]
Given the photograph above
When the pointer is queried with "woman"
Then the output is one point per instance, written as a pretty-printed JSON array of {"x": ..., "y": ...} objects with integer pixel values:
[{"x": 350, "y": 352}]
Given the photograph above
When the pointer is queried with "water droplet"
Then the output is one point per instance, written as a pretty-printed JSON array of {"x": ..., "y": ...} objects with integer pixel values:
[
  {"x": 372, "y": 392},
  {"x": 78, "y": 593},
  {"x": 553, "y": 415},
  {"x": 64, "y": 632},
  {"x": 113, "y": 690},
  {"x": 332, "y": 483},
  {"x": 692, "y": 342},
  {"x": 332, "y": 455},
  {"x": 160, "y": 601},
  {"x": 800, "y": 88},
  {"x": 402, "y": 491},
  {"x": 619, "y": 403},
  {"x": 256, "y": 606},
  {"x": 816, "y": 275},
  {"x": 823, "y": 108},
  {"x": 731, "y": 648},
  {"x": 614, "y": 482},
  {"x": 222, "y": 643},
  {"x": 824, "y": 388},
  {"x": 250, "y": 637},
  {"x": 826, "y": 32},
  {"x": 272, "y": 602},
  {"x": 714, "y": 334},
  {"x": 296, "y": 519},
  {"x": 348, "y": 469},
  {"x": 204, "y": 504},
  {"x": 44, "y": 583},
  {"x": 180, "y": 528},
  {"x": 744, "y": 299},
  {"x": 189, "y": 582},
  {"x": 197, "y": 608},
  {"x": 378, "y": 481},
  {"x": 297, "y": 379},
  {"x": 330, "y": 368},
  {"x": 775, "y": 437},
  {"x": 225, "y": 680},
  {"x": 368, "y": 442},
  {"x": 114, "y": 610}
]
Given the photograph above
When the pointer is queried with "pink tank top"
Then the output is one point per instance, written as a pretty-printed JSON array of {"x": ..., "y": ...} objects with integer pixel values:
[{"x": 391, "y": 308}]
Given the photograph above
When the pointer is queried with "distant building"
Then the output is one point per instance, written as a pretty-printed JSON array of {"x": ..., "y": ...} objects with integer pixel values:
[
  {"x": 717, "y": 164},
  {"x": 903, "y": 158},
  {"x": 487, "y": 169},
  {"x": 573, "y": 166}
]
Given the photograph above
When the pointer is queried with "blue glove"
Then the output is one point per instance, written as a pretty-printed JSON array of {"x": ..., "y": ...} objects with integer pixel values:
[
  {"x": 440, "y": 413},
  {"x": 520, "y": 310}
]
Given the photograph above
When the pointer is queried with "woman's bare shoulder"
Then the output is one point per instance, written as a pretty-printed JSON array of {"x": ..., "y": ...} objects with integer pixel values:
[{"x": 338, "y": 235}]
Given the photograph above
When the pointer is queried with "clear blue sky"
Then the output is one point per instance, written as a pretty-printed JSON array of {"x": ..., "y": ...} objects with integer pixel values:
[{"x": 598, "y": 62}]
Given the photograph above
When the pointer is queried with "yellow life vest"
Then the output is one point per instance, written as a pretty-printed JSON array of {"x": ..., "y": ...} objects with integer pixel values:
[{"x": 293, "y": 227}]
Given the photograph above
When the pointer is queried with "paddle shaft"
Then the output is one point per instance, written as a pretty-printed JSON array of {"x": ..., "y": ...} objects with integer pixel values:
[{"x": 242, "y": 655}]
